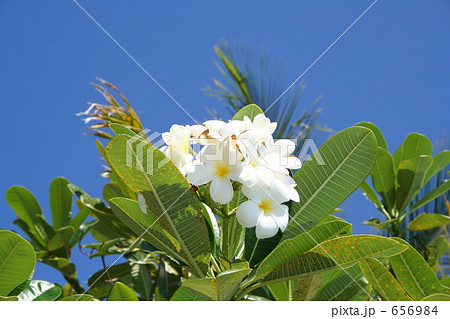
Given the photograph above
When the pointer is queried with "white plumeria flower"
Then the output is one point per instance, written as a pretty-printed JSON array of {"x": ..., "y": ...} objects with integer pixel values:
[
  {"x": 278, "y": 156},
  {"x": 259, "y": 129},
  {"x": 178, "y": 141},
  {"x": 221, "y": 164},
  {"x": 263, "y": 210}
]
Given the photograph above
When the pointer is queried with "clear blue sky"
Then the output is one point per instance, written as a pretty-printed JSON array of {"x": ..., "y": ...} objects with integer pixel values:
[{"x": 392, "y": 68}]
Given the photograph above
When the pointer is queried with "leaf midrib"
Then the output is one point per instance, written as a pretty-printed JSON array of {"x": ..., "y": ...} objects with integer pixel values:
[
  {"x": 312, "y": 197},
  {"x": 193, "y": 263}
]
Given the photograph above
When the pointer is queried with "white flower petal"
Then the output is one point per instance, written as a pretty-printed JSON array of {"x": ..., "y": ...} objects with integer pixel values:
[
  {"x": 248, "y": 214},
  {"x": 292, "y": 162},
  {"x": 221, "y": 190},
  {"x": 243, "y": 173},
  {"x": 265, "y": 175},
  {"x": 283, "y": 147},
  {"x": 267, "y": 227},
  {"x": 142, "y": 204},
  {"x": 256, "y": 192},
  {"x": 199, "y": 174},
  {"x": 210, "y": 154},
  {"x": 281, "y": 216},
  {"x": 280, "y": 192}
]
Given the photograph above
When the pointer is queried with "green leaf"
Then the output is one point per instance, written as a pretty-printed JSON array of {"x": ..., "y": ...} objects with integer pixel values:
[
  {"x": 300, "y": 244},
  {"x": 338, "y": 281},
  {"x": 383, "y": 178},
  {"x": 416, "y": 145},
  {"x": 62, "y": 240},
  {"x": 334, "y": 253},
  {"x": 121, "y": 129},
  {"x": 121, "y": 292},
  {"x": 428, "y": 221},
  {"x": 61, "y": 264},
  {"x": 379, "y": 224},
  {"x": 222, "y": 287},
  {"x": 382, "y": 281},
  {"x": 369, "y": 193},
  {"x": 145, "y": 225},
  {"x": 414, "y": 273},
  {"x": 168, "y": 195},
  {"x": 39, "y": 290},
  {"x": 9, "y": 298},
  {"x": 141, "y": 280},
  {"x": 307, "y": 287},
  {"x": 410, "y": 179},
  {"x": 348, "y": 158},
  {"x": 250, "y": 111},
  {"x": 112, "y": 190},
  {"x": 440, "y": 161},
  {"x": 435, "y": 193},
  {"x": 381, "y": 141},
  {"x": 17, "y": 261},
  {"x": 83, "y": 297},
  {"x": 256, "y": 249},
  {"x": 60, "y": 202},
  {"x": 437, "y": 248},
  {"x": 437, "y": 297},
  {"x": 100, "y": 282},
  {"x": 186, "y": 294},
  {"x": 27, "y": 208},
  {"x": 79, "y": 218}
]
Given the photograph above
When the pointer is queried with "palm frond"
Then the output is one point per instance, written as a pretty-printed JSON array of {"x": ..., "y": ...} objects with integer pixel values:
[{"x": 257, "y": 77}]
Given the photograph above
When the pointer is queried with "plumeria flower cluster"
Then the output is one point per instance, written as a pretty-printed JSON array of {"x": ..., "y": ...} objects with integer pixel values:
[{"x": 243, "y": 151}]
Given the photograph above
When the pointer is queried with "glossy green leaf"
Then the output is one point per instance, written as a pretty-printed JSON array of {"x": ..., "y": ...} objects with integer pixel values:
[
  {"x": 121, "y": 292},
  {"x": 17, "y": 260},
  {"x": 168, "y": 195},
  {"x": 334, "y": 253},
  {"x": 383, "y": 178},
  {"x": 61, "y": 264},
  {"x": 307, "y": 288},
  {"x": 416, "y": 145},
  {"x": 61, "y": 240},
  {"x": 84, "y": 297},
  {"x": 100, "y": 282},
  {"x": 222, "y": 287},
  {"x": 338, "y": 281},
  {"x": 437, "y": 248},
  {"x": 435, "y": 193},
  {"x": 382, "y": 281},
  {"x": 10, "y": 298},
  {"x": 440, "y": 161},
  {"x": 348, "y": 158},
  {"x": 27, "y": 209},
  {"x": 141, "y": 280},
  {"x": 257, "y": 249},
  {"x": 370, "y": 194},
  {"x": 145, "y": 225},
  {"x": 379, "y": 224},
  {"x": 414, "y": 274},
  {"x": 381, "y": 141},
  {"x": 186, "y": 294},
  {"x": 300, "y": 244},
  {"x": 121, "y": 129},
  {"x": 60, "y": 202},
  {"x": 250, "y": 111},
  {"x": 410, "y": 177},
  {"x": 100, "y": 211},
  {"x": 428, "y": 221},
  {"x": 437, "y": 297},
  {"x": 112, "y": 190},
  {"x": 39, "y": 290}
]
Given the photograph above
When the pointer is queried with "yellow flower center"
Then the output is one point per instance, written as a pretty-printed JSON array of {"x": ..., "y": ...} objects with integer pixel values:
[
  {"x": 266, "y": 206},
  {"x": 222, "y": 170}
]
